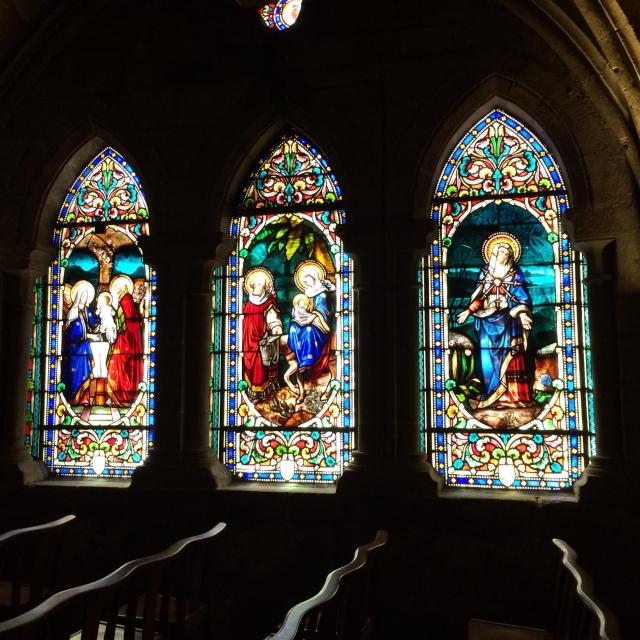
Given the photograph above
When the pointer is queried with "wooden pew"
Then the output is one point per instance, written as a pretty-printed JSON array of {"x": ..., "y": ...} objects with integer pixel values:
[
  {"x": 29, "y": 564},
  {"x": 341, "y": 609},
  {"x": 161, "y": 593},
  {"x": 576, "y": 614},
  {"x": 579, "y": 614}
]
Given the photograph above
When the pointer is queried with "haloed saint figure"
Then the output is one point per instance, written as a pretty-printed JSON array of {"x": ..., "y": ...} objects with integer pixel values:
[
  {"x": 102, "y": 346},
  {"x": 305, "y": 348},
  {"x": 502, "y": 311}
]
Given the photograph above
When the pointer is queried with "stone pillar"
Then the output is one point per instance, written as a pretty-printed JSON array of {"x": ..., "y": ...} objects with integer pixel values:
[
  {"x": 361, "y": 241},
  {"x": 17, "y": 467},
  {"x": 607, "y": 466},
  {"x": 409, "y": 246},
  {"x": 388, "y": 458},
  {"x": 182, "y": 457},
  {"x": 196, "y": 404}
]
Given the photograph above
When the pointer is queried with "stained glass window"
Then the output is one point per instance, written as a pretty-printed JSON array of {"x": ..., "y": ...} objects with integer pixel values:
[
  {"x": 96, "y": 346},
  {"x": 280, "y": 15},
  {"x": 505, "y": 355},
  {"x": 283, "y": 340}
]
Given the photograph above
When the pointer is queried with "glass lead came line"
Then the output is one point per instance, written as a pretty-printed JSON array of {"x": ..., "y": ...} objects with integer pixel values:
[{"x": 455, "y": 179}]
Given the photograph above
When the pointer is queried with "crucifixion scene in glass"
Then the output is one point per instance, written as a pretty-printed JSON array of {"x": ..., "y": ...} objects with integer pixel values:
[{"x": 97, "y": 396}]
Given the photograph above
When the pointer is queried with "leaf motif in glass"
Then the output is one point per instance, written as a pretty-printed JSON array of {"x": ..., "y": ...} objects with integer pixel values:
[
  {"x": 293, "y": 174},
  {"x": 98, "y": 397},
  {"x": 505, "y": 376},
  {"x": 285, "y": 371}
]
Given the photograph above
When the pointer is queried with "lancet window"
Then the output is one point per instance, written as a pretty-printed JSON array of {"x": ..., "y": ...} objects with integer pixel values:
[
  {"x": 505, "y": 359},
  {"x": 91, "y": 389},
  {"x": 283, "y": 332}
]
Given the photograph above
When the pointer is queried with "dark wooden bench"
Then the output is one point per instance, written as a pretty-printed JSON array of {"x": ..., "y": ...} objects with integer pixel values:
[
  {"x": 161, "y": 595},
  {"x": 30, "y": 562},
  {"x": 341, "y": 609},
  {"x": 576, "y": 614}
]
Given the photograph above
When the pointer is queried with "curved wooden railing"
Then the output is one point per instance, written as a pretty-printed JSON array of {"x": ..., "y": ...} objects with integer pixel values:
[
  {"x": 13, "y": 535},
  {"x": 143, "y": 586},
  {"x": 29, "y": 564},
  {"x": 579, "y": 615},
  {"x": 341, "y": 608},
  {"x": 573, "y": 614}
]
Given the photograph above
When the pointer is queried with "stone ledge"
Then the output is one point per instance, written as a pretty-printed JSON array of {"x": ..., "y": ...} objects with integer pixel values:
[
  {"x": 85, "y": 483},
  {"x": 246, "y": 487}
]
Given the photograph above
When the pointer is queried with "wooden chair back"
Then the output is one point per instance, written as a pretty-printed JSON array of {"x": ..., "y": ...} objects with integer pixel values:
[
  {"x": 341, "y": 609},
  {"x": 579, "y": 616},
  {"x": 132, "y": 601},
  {"x": 30, "y": 562}
]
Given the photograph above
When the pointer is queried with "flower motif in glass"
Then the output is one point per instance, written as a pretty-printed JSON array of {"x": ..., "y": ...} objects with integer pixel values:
[
  {"x": 97, "y": 400},
  {"x": 283, "y": 325},
  {"x": 280, "y": 15},
  {"x": 505, "y": 361}
]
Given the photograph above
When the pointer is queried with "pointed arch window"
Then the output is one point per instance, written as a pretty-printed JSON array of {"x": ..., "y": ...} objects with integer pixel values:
[
  {"x": 93, "y": 354},
  {"x": 507, "y": 393},
  {"x": 283, "y": 340}
]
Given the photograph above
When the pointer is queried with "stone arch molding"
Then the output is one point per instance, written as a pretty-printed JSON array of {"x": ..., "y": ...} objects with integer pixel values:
[
  {"x": 499, "y": 91},
  {"x": 604, "y": 59}
]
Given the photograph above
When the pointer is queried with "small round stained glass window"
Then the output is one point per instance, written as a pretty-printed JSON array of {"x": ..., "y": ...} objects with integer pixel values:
[{"x": 280, "y": 15}]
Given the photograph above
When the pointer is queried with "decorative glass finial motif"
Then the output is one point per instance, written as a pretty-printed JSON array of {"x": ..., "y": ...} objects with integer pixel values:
[
  {"x": 106, "y": 191},
  {"x": 280, "y": 15},
  {"x": 293, "y": 174},
  {"x": 97, "y": 397},
  {"x": 283, "y": 329},
  {"x": 506, "y": 360}
]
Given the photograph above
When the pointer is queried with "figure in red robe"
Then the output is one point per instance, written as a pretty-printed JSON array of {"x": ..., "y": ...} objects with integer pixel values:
[
  {"x": 261, "y": 318},
  {"x": 126, "y": 370}
]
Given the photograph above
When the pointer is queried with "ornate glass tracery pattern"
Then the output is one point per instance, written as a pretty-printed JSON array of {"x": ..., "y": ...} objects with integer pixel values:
[
  {"x": 99, "y": 342},
  {"x": 505, "y": 361},
  {"x": 282, "y": 378},
  {"x": 281, "y": 14}
]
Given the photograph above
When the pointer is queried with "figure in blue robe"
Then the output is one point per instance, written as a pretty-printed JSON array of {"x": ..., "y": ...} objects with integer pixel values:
[
  {"x": 309, "y": 338},
  {"x": 310, "y": 328},
  {"x": 501, "y": 306},
  {"x": 76, "y": 349}
]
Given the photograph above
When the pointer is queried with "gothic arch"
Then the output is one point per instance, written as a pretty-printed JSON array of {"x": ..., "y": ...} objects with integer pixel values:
[
  {"x": 65, "y": 166},
  {"x": 283, "y": 332},
  {"x": 500, "y": 91},
  {"x": 248, "y": 148},
  {"x": 92, "y": 368},
  {"x": 602, "y": 58},
  {"x": 508, "y": 396}
]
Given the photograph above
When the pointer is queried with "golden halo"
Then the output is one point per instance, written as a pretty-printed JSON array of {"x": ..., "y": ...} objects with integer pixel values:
[
  {"x": 308, "y": 266},
  {"x": 79, "y": 287},
  {"x": 505, "y": 238},
  {"x": 252, "y": 273},
  {"x": 118, "y": 280}
]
